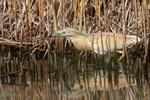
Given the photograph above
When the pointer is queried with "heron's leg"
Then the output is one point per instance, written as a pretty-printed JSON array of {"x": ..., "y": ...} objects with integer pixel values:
[
  {"x": 81, "y": 53},
  {"x": 122, "y": 56}
]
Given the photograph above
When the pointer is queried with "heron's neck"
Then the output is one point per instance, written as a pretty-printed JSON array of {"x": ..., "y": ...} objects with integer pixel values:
[
  {"x": 80, "y": 42},
  {"x": 78, "y": 38}
]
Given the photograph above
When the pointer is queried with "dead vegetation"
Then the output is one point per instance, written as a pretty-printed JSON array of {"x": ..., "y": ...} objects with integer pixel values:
[{"x": 28, "y": 22}]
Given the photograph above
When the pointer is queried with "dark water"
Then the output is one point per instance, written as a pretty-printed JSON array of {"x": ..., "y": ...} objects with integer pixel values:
[{"x": 66, "y": 76}]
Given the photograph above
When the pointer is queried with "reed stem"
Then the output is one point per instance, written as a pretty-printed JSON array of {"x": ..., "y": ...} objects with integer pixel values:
[
  {"x": 104, "y": 4},
  {"x": 96, "y": 9}
]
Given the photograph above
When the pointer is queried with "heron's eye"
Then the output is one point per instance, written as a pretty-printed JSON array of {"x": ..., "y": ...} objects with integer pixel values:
[{"x": 63, "y": 32}]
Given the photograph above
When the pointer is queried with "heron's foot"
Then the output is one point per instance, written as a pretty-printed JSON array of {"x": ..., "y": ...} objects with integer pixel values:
[
  {"x": 122, "y": 56},
  {"x": 120, "y": 52},
  {"x": 81, "y": 53}
]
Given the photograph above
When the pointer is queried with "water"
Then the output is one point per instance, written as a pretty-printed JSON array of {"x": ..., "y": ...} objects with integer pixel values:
[{"x": 68, "y": 76}]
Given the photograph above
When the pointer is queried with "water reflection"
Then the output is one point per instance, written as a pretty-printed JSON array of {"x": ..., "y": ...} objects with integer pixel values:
[{"x": 67, "y": 76}]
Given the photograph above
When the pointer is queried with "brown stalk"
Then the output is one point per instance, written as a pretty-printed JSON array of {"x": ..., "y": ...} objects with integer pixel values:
[
  {"x": 48, "y": 14},
  {"x": 123, "y": 27},
  {"x": 54, "y": 15},
  {"x": 146, "y": 12},
  {"x": 99, "y": 8},
  {"x": 44, "y": 91},
  {"x": 20, "y": 90},
  {"x": 99, "y": 23},
  {"x": 84, "y": 19},
  {"x": 140, "y": 15},
  {"x": 135, "y": 4},
  {"x": 3, "y": 92},
  {"x": 82, "y": 13},
  {"x": 144, "y": 21},
  {"x": 75, "y": 12},
  {"x": 42, "y": 5},
  {"x": 60, "y": 89},
  {"x": 2, "y": 29},
  {"x": 146, "y": 24},
  {"x": 112, "y": 1},
  {"x": 34, "y": 94},
  {"x": 29, "y": 17},
  {"x": 15, "y": 11},
  {"x": 20, "y": 11},
  {"x": 9, "y": 8},
  {"x": 63, "y": 4},
  {"x": 47, "y": 11},
  {"x": 96, "y": 8},
  {"x": 136, "y": 13},
  {"x": 26, "y": 94},
  {"x": 78, "y": 5},
  {"x": 104, "y": 3},
  {"x": 40, "y": 18},
  {"x": 105, "y": 20},
  {"x": 55, "y": 21},
  {"x": 39, "y": 6}
]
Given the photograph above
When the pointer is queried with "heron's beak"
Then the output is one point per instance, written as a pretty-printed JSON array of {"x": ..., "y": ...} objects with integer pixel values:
[{"x": 55, "y": 34}]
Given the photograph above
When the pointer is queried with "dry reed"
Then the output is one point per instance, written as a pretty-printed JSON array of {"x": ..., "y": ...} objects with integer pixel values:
[
  {"x": 31, "y": 21},
  {"x": 96, "y": 8}
]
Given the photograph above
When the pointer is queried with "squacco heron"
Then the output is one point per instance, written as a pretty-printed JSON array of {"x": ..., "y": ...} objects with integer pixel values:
[{"x": 99, "y": 43}]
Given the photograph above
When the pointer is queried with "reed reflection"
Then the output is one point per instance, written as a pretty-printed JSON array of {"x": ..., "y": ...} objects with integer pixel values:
[{"x": 71, "y": 76}]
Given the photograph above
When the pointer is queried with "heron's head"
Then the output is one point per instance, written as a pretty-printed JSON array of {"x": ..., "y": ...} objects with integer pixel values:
[{"x": 69, "y": 33}]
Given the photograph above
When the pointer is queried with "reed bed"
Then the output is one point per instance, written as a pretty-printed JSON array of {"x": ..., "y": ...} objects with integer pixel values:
[
  {"x": 29, "y": 22},
  {"x": 26, "y": 24}
]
